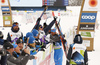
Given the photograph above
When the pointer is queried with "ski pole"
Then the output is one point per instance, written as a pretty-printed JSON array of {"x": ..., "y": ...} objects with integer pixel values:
[{"x": 41, "y": 15}]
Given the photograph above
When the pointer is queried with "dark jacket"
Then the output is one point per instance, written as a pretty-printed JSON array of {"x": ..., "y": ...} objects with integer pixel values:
[
  {"x": 21, "y": 60},
  {"x": 22, "y": 54},
  {"x": 3, "y": 59},
  {"x": 47, "y": 28},
  {"x": 54, "y": 38}
]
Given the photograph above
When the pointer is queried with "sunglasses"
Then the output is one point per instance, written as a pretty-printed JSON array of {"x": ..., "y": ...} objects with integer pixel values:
[{"x": 41, "y": 27}]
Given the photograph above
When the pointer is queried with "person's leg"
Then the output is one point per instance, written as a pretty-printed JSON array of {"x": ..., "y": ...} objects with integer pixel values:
[
  {"x": 55, "y": 56},
  {"x": 59, "y": 57}
]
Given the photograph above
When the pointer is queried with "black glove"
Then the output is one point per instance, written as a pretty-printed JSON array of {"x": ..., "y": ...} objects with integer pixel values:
[
  {"x": 38, "y": 19},
  {"x": 37, "y": 43},
  {"x": 42, "y": 49},
  {"x": 42, "y": 46},
  {"x": 55, "y": 18},
  {"x": 53, "y": 43},
  {"x": 64, "y": 41}
]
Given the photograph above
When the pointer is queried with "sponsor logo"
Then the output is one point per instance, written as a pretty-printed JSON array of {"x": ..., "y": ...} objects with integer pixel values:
[
  {"x": 6, "y": 13},
  {"x": 93, "y": 3},
  {"x": 5, "y": 8},
  {"x": 88, "y": 17},
  {"x": 79, "y": 60},
  {"x": 87, "y": 26},
  {"x": 2, "y": 1},
  {"x": 6, "y": 17}
]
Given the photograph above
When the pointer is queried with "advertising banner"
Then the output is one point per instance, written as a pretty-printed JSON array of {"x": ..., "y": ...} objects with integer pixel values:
[
  {"x": 87, "y": 26},
  {"x": 5, "y": 13},
  {"x": 88, "y": 17},
  {"x": 6, "y": 17},
  {"x": 86, "y": 43},
  {"x": 5, "y": 9},
  {"x": 91, "y": 5},
  {"x": 86, "y": 34}
]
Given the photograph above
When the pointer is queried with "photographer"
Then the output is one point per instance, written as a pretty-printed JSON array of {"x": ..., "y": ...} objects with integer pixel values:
[
  {"x": 3, "y": 57},
  {"x": 11, "y": 60}
]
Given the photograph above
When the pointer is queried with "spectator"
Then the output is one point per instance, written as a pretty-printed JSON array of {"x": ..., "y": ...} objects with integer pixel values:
[
  {"x": 3, "y": 58},
  {"x": 15, "y": 33},
  {"x": 11, "y": 60}
]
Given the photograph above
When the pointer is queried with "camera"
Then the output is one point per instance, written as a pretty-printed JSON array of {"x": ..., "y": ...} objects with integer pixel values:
[{"x": 2, "y": 52}]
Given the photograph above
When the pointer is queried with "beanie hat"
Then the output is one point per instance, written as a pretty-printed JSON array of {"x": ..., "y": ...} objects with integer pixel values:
[
  {"x": 19, "y": 41},
  {"x": 31, "y": 40},
  {"x": 1, "y": 34},
  {"x": 35, "y": 32},
  {"x": 29, "y": 34},
  {"x": 78, "y": 39},
  {"x": 15, "y": 24},
  {"x": 7, "y": 45},
  {"x": 53, "y": 30}
]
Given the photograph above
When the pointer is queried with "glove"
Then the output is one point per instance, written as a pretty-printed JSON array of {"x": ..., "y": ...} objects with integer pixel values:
[
  {"x": 37, "y": 43},
  {"x": 64, "y": 41},
  {"x": 55, "y": 18},
  {"x": 42, "y": 49},
  {"x": 53, "y": 43},
  {"x": 42, "y": 46},
  {"x": 38, "y": 19}
]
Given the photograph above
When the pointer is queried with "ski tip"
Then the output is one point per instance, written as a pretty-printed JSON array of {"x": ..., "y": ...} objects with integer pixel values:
[{"x": 53, "y": 13}]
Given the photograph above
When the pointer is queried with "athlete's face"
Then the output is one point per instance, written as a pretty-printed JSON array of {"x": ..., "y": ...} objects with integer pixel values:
[
  {"x": 17, "y": 49},
  {"x": 15, "y": 28},
  {"x": 53, "y": 33},
  {"x": 20, "y": 45}
]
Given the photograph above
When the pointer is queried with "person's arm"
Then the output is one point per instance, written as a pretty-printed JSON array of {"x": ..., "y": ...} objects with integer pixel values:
[
  {"x": 8, "y": 37},
  {"x": 21, "y": 35},
  {"x": 69, "y": 55},
  {"x": 49, "y": 27},
  {"x": 21, "y": 60},
  {"x": 33, "y": 52},
  {"x": 86, "y": 57},
  {"x": 37, "y": 25}
]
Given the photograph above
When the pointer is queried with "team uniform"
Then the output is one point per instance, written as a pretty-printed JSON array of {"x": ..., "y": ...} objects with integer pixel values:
[
  {"x": 58, "y": 52},
  {"x": 77, "y": 54},
  {"x": 13, "y": 35}
]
